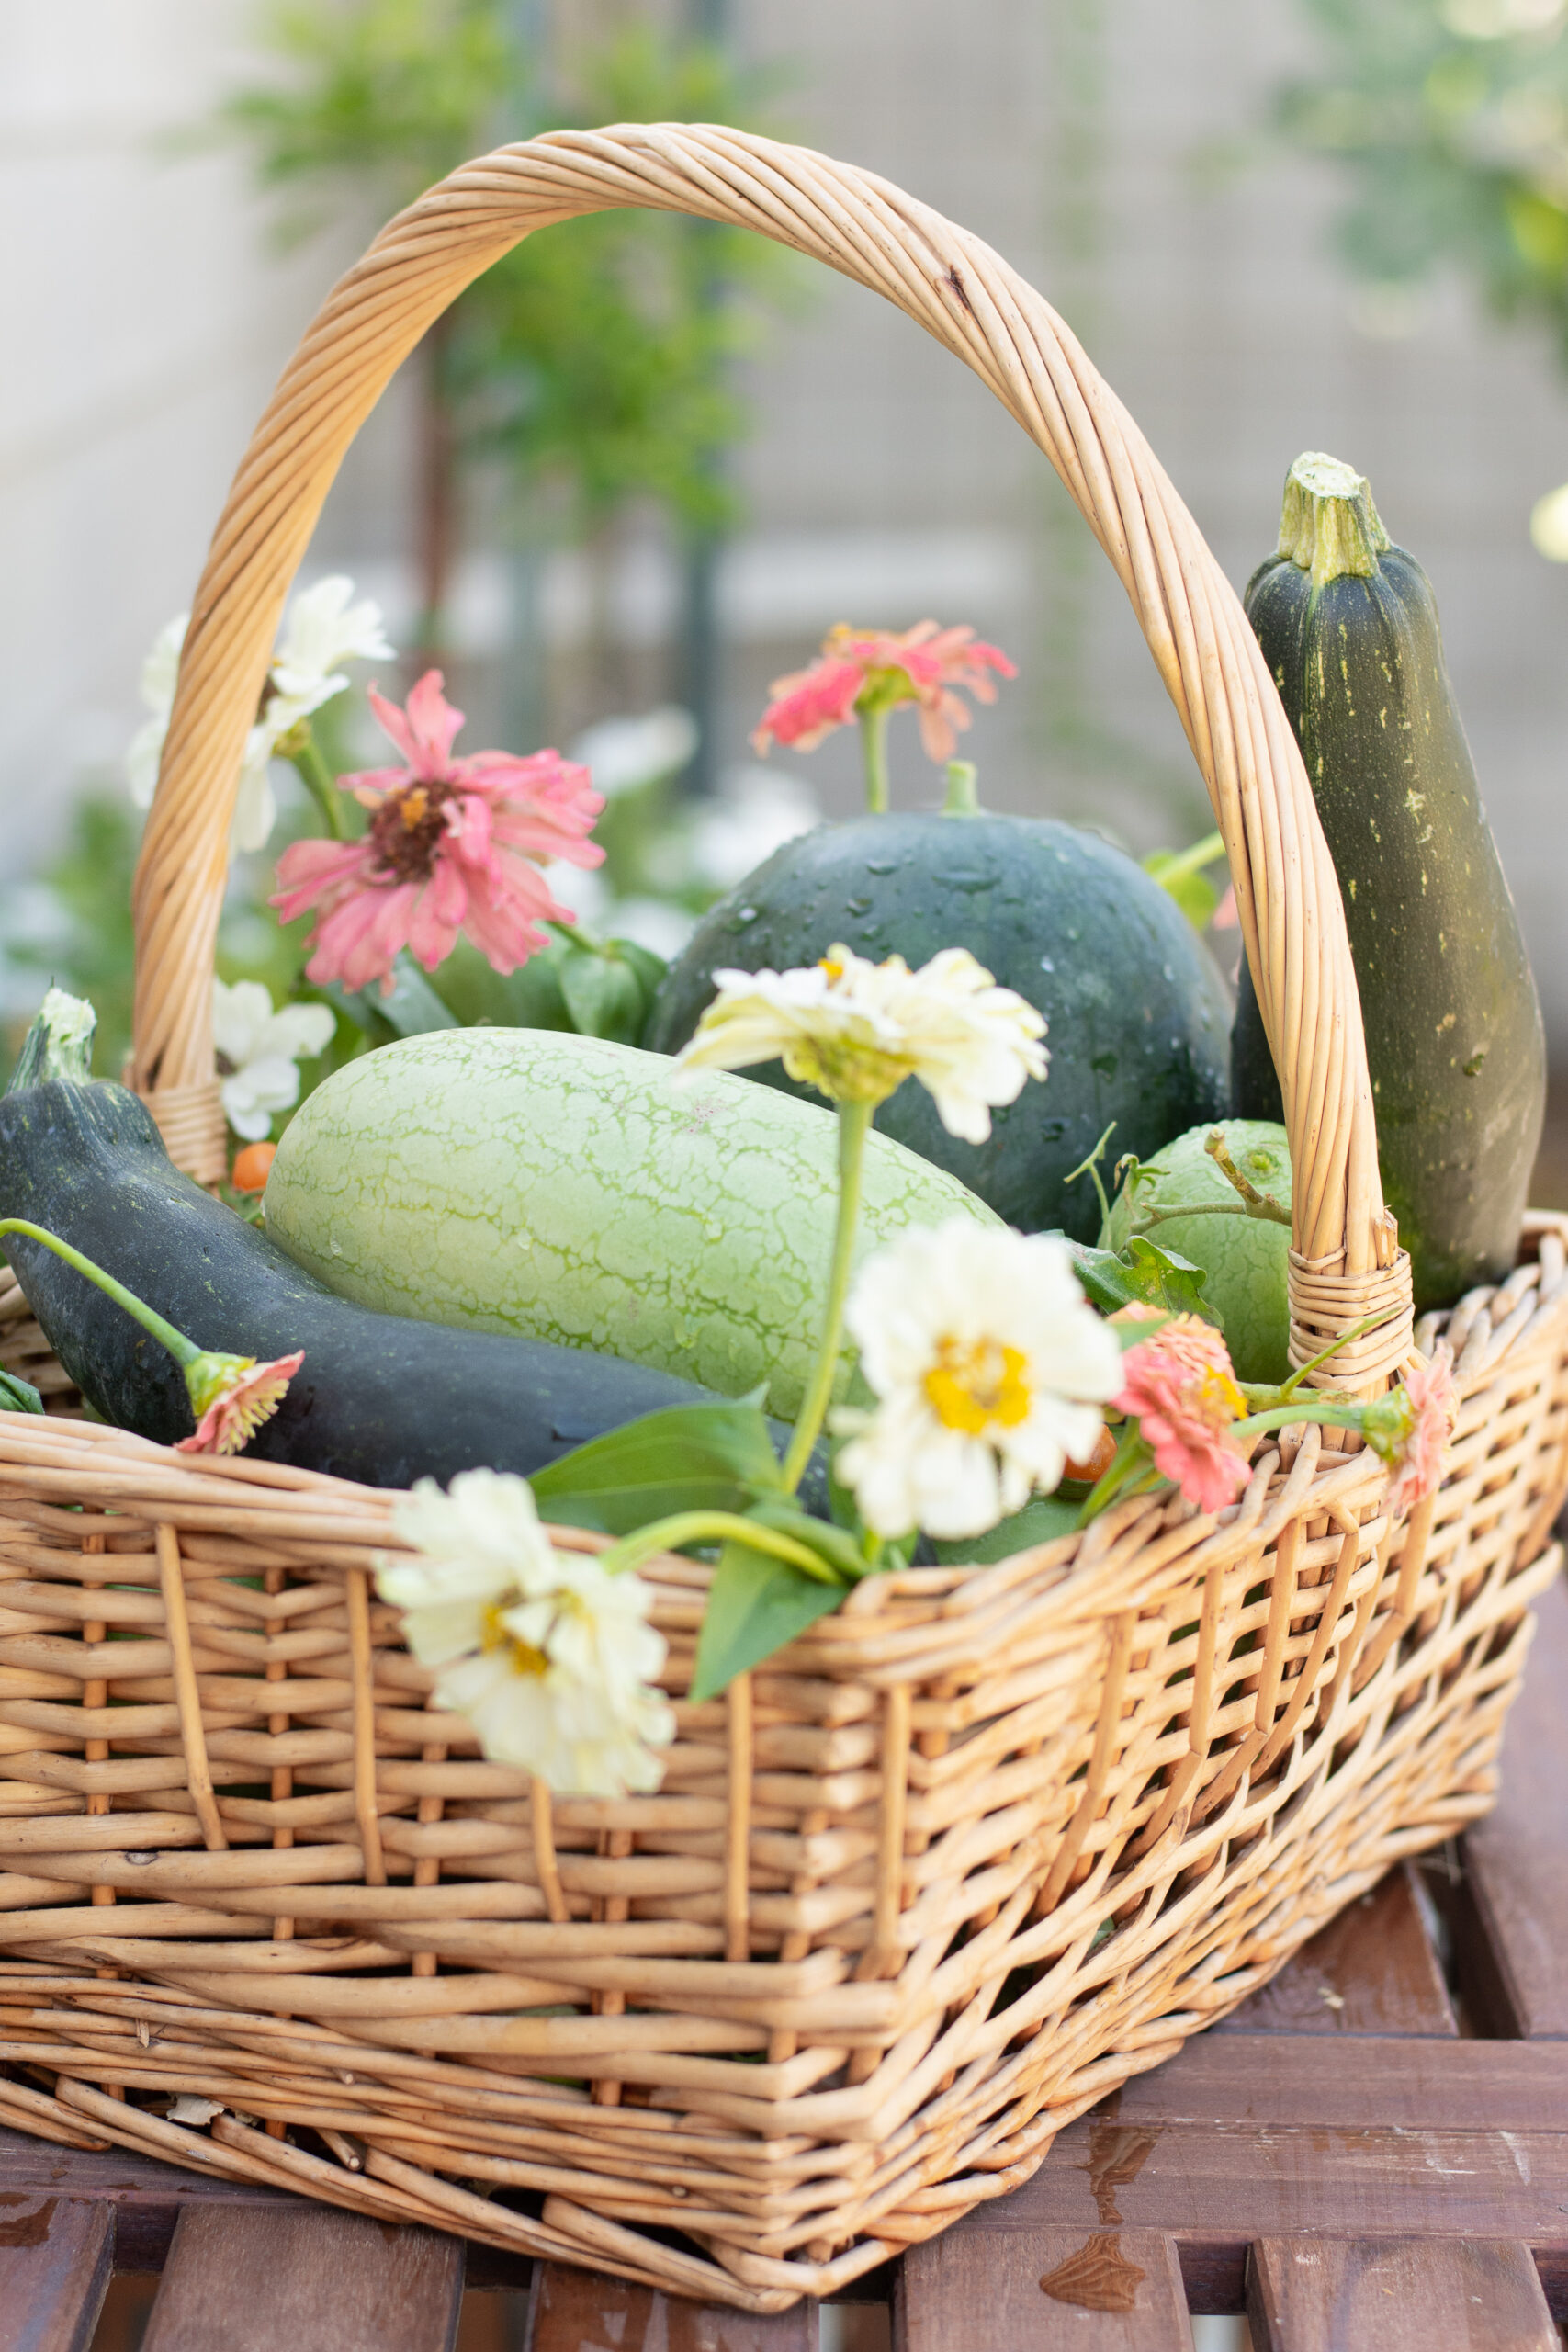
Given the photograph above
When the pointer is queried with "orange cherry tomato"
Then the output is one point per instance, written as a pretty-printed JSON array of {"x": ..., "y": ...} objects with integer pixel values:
[
  {"x": 1098, "y": 1461},
  {"x": 253, "y": 1166}
]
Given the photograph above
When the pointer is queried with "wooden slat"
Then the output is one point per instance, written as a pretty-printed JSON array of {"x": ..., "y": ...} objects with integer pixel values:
[
  {"x": 1401, "y": 2294},
  {"x": 1217, "y": 2190},
  {"x": 1041, "y": 2290},
  {"x": 1363, "y": 2083},
  {"x": 579, "y": 2310},
  {"x": 1516, "y": 1860},
  {"x": 55, "y": 2258},
  {"x": 306, "y": 2276},
  {"x": 1372, "y": 1970}
]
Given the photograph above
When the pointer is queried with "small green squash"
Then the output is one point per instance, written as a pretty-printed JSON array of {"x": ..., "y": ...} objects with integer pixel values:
[
  {"x": 575, "y": 1190},
  {"x": 1348, "y": 627},
  {"x": 1136, "y": 1013}
]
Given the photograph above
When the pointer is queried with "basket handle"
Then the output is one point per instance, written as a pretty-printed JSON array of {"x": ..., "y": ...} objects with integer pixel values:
[{"x": 1345, "y": 1261}]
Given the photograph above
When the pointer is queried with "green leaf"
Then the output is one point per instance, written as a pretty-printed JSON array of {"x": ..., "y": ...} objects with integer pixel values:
[
  {"x": 648, "y": 967},
  {"x": 1038, "y": 1521},
  {"x": 755, "y": 1605},
  {"x": 1179, "y": 871},
  {"x": 18, "y": 1395},
  {"x": 1166, "y": 1280},
  {"x": 688, "y": 1457},
  {"x": 410, "y": 1010},
  {"x": 1144, "y": 1272},
  {"x": 603, "y": 994},
  {"x": 836, "y": 1545}
]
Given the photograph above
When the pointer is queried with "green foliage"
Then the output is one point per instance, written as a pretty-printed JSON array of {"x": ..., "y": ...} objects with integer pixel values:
[
  {"x": 1145, "y": 1274},
  {"x": 755, "y": 1605},
  {"x": 91, "y": 957},
  {"x": 1180, "y": 871},
  {"x": 689, "y": 1457},
  {"x": 594, "y": 358},
  {"x": 1451, "y": 120}
]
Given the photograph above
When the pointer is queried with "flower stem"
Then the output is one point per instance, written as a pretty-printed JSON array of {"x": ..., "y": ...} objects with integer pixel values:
[
  {"x": 873, "y": 747},
  {"x": 319, "y": 780},
  {"x": 1332, "y": 1413},
  {"x": 712, "y": 1527},
  {"x": 854, "y": 1119},
  {"x": 184, "y": 1350}
]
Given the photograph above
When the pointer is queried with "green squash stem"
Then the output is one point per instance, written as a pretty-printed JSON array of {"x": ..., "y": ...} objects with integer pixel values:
[{"x": 1328, "y": 524}]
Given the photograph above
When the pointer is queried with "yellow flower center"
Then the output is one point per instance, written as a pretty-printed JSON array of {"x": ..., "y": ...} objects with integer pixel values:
[
  {"x": 521, "y": 1657},
  {"x": 832, "y": 968},
  {"x": 974, "y": 1382},
  {"x": 414, "y": 806},
  {"x": 1217, "y": 1397}
]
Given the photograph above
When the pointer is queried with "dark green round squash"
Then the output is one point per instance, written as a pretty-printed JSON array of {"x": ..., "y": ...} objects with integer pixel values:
[{"x": 1138, "y": 1016}]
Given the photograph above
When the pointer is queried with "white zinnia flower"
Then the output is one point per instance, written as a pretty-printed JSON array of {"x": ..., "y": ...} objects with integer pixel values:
[
  {"x": 262, "y": 1048},
  {"x": 856, "y": 1030},
  {"x": 989, "y": 1369},
  {"x": 551, "y": 1658},
  {"x": 323, "y": 627}
]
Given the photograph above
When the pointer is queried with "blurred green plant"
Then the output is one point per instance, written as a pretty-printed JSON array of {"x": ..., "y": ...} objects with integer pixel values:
[
  {"x": 594, "y": 361},
  {"x": 87, "y": 944},
  {"x": 1450, "y": 118}
]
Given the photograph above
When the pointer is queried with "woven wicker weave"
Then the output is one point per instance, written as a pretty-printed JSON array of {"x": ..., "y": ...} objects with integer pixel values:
[{"x": 953, "y": 1865}]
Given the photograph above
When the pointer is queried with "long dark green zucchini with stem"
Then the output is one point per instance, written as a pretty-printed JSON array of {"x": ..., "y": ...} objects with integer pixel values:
[
  {"x": 1348, "y": 627},
  {"x": 378, "y": 1397}
]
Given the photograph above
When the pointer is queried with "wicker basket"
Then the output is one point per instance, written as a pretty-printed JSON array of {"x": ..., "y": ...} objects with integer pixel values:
[{"x": 958, "y": 1861}]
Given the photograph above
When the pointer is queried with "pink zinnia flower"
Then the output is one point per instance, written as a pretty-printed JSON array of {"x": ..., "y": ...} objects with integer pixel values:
[
  {"x": 453, "y": 845},
  {"x": 1181, "y": 1385},
  {"x": 231, "y": 1396},
  {"x": 1410, "y": 1429},
  {"x": 864, "y": 670}
]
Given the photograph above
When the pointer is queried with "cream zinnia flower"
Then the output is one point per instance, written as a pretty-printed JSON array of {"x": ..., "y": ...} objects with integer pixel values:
[
  {"x": 323, "y": 627},
  {"x": 550, "y": 1659},
  {"x": 989, "y": 1369},
  {"x": 856, "y": 1030}
]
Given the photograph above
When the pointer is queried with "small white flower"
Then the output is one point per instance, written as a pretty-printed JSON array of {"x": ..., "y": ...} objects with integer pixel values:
[
  {"x": 756, "y": 812},
  {"x": 989, "y": 1369},
  {"x": 262, "y": 1048},
  {"x": 159, "y": 673},
  {"x": 626, "y": 753},
  {"x": 856, "y": 1030},
  {"x": 551, "y": 1658},
  {"x": 323, "y": 627}
]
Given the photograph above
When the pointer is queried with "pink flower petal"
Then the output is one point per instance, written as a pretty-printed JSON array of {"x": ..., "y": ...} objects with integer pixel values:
[
  {"x": 1180, "y": 1387},
  {"x": 808, "y": 705},
  {"x": 233, "y": 1417},
  {"x": 438, "y": 915}
]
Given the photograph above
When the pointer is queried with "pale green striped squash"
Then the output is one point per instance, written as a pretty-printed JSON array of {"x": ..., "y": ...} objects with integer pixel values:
[{"x": 568, "y": 1189}]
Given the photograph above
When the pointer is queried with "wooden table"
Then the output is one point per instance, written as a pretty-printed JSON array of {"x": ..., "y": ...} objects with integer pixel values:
[{"x": 1360, "y": 2158}]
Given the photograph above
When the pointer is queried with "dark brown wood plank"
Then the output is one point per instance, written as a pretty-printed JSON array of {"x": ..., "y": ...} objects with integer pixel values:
[
  {"x": 1372, "y": 1970},
  {"x": 248, "y": 2280},
  {"x": 1401, "y": 2294},
  {"x": 1041, "y": 2290},
  {"x": 1516, "y": 1860},
  {"x": 581, "y": 2311},
  {"x": 55, "y": 2259},
  {"x": 1363, "y": 2082},
  {"x": 1217, "y": 2189}
]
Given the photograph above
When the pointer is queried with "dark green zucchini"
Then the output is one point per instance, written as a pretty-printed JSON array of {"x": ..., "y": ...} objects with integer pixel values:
[
  {"x": 378, "y": 1397},
  {"x": 1348, "y": 627},
  {"x": 1137, "y": 1012}
]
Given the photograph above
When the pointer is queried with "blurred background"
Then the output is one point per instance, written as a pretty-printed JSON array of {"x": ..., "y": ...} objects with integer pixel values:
[{"x": 645, "y": 465}]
